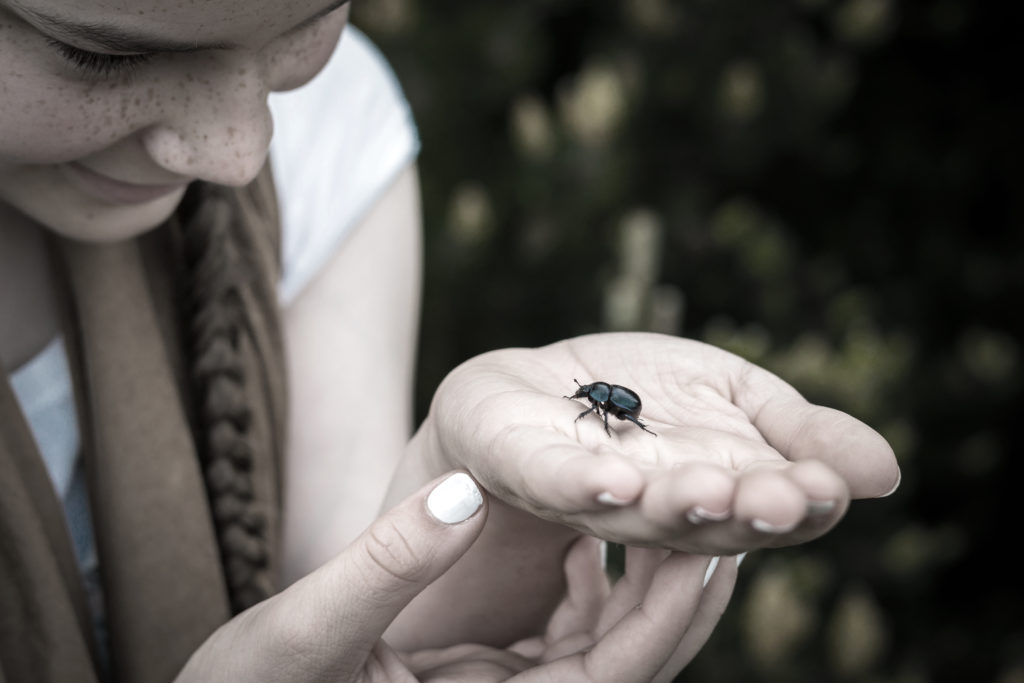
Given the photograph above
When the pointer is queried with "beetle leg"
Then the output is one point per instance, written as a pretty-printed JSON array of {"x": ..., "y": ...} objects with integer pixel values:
[
  {"x": 607, "y": 431},
  {"x": 586, "y": 412},
  {"x": 638, "y": 423}
]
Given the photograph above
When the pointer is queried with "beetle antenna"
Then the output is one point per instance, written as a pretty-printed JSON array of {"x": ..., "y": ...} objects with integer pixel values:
[{"x": 577, "y": 382}]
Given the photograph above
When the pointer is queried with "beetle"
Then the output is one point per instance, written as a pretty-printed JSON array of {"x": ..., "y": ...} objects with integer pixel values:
[{"x": 622, "y": 402}]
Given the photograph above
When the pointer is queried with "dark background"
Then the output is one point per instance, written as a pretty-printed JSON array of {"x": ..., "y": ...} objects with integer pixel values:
[{"x": 829, "y": 188}]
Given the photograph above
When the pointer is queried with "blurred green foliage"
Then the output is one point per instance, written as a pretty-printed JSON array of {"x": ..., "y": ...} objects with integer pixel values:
[{"x": 830, "y": 188}]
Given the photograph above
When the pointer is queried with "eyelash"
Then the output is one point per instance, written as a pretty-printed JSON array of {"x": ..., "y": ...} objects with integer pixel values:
[
  {"x": 107, "y": 66},
  {"x": 96, "y": 63}
]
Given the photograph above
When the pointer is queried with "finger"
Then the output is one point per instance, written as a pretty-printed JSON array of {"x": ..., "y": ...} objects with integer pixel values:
[
  {"x": 764, "y": 506},
  {"x": 587, "y": 588},
  {"x": 553, "y": 475},
  {"x": 772, "y": 505},
  {"x": 384, "y": 664},
  {"x": 827, "y": 499},
  {"x": 637, "y": 646},
  {"x": 822, "y": 486},
  {"x": 689, "y": 496},
  {"x": 632, "y": 587},
  {"x": 335, "y": 616},
  {"x": 800, "y": 430},
  {"x": 464, "y": 662},
  {"x": 713, "y": 601},
  {"x": 768, "y": 501},
  {"x": 628, "y": 592}
]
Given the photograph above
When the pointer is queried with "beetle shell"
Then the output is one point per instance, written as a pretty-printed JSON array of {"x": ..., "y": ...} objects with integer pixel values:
[{"x": 625, "y": 401}]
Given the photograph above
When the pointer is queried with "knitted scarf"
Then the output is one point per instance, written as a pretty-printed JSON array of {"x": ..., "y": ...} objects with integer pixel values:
[{"x": 180, "y": 399}]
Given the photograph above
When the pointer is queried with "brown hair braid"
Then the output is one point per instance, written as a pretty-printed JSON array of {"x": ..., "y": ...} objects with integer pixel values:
[{"x": 217, "y": 270}]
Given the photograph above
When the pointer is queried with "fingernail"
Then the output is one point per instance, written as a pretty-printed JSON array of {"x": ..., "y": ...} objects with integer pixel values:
[
  {"x": 698, "y": 515},
  {"x": 711, "y": 569},
  {"x": 455, "y": 499},
  {"x": 769, "y": 528},
  {"x": 609, "y": 498},
  {"x": 899, "y": 478},
  {"x": 820, "y": 507}
]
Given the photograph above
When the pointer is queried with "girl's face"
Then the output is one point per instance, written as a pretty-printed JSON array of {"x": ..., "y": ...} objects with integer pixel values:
[{"x": 109, "y": 108}]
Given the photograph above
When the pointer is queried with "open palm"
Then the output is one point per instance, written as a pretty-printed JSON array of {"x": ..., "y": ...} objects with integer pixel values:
[{"x": 739, "y": 460}]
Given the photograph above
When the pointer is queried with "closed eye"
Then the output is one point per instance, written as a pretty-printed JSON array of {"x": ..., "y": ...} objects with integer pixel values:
[{"x": 97, "y": 63}]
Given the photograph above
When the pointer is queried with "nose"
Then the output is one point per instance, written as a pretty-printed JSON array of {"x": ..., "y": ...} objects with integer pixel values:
[{"x": 218, "y": 130}]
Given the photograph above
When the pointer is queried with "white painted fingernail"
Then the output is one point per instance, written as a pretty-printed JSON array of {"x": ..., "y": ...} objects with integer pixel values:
[
  {"x": 608, "y": 498},
  {"x": 711, "y": 569},
  {"x": 698, "y": 515},
  {"x": 899, "y": 478},
  {"x": 455, "y": 499}
]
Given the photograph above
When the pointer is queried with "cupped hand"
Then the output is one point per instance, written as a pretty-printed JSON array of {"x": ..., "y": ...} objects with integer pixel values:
[
  {"x": 739, "y": 459},
  {"x": 646, "y": 628},
  {"x": 328, "y": 625}
]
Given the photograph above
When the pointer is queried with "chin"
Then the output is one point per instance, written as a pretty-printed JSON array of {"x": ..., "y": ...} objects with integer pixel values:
[{"x": 103, "y": 223}]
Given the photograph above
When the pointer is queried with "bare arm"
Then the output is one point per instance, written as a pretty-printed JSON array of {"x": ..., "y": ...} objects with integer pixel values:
[{"x": 351, "y": 337}]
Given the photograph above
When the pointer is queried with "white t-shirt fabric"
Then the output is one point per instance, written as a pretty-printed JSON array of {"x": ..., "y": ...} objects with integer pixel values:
[
  {"x": 342, "y": 139},
  {"x": 339, "y": 142}
]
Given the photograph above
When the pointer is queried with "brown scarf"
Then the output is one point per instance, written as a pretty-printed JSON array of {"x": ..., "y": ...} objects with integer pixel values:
[{"x": 160, "y": 560}]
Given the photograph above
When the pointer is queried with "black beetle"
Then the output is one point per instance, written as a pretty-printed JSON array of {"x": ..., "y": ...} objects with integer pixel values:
[{"x": 621, "y": 402}]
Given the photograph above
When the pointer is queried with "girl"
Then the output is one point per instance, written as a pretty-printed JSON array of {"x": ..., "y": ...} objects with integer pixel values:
[{"x": 164, "y": 288}]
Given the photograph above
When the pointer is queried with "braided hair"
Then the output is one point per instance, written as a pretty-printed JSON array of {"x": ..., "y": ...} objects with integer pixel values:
[{"x": 218, "y": 268}]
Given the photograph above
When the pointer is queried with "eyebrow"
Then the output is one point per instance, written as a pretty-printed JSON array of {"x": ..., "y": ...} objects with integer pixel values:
[{"x": 117, "y": 39}]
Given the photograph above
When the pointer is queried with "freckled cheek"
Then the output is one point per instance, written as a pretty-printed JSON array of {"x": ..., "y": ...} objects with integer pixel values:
[
  {"x": 48, "y": 115},
  {"x": 300, "y": 60},
  {"x": 45, "y": 119}
]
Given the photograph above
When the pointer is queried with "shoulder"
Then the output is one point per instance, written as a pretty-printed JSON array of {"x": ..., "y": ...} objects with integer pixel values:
[
  {"x": 339, "y": 142},
  {"x": 357, "y": 80}
]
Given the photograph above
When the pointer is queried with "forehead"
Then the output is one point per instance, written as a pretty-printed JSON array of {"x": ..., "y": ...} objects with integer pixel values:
[{"x": 208, "y": 21}]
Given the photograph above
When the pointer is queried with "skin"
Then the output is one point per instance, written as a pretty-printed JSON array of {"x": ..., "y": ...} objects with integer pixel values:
[
  {"x": 178, "y": 117},
  {"x": 741, "y": 461}
]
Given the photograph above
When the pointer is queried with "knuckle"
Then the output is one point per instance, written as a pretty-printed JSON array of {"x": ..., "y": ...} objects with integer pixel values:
[{"x": 391, "y": 552}]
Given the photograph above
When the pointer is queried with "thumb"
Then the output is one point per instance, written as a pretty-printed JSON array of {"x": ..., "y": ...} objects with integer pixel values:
[
  {"x": 406, "y": 549},
  {"x": 341, "y": 609}
]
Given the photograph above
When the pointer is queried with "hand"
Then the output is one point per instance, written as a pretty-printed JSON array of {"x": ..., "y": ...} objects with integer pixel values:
[
  {"x": 328, "y": 626},
  {"x": 647, "y": 628},
  {"x": 740, "y": 459}
]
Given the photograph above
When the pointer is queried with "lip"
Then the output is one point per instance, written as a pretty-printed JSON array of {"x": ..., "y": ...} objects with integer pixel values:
[{"x": 113, "y": 191}]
